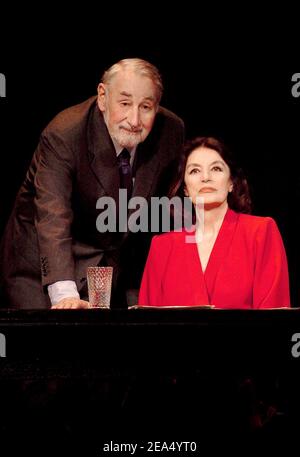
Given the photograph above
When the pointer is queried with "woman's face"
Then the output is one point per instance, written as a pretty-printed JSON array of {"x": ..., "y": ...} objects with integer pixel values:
[{"x": 208, "y": 176}]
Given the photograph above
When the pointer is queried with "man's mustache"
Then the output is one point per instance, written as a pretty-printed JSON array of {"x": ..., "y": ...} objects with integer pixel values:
[{"x": 132, "y": 129}]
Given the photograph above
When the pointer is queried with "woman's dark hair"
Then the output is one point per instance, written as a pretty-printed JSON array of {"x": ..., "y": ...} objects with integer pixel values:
[{"x": 239, "y": 199}]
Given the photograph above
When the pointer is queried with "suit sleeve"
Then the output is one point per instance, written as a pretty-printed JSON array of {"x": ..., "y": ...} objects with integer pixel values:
[
  {"x": 271, "y": 280},
  {"x": 54, "y": 216},
  {"x": 151, "y": 285}
]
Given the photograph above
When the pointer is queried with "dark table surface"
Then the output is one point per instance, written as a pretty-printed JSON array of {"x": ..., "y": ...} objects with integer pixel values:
[
  {"x": 177, "y": 374},
  {"x": 146, "y": 339}
]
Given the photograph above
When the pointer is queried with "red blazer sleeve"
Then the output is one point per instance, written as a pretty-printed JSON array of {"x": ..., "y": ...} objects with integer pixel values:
[
  {"x": 151, "y": 286},
  {"x": 271, "y": 280}
]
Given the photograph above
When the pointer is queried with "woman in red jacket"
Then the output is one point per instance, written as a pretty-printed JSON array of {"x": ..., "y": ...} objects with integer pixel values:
[{"x": 237, "y": 260}]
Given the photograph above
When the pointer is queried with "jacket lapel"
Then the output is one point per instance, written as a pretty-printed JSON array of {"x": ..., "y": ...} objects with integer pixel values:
[
  {"x": 220, "y": 251},
  {"x": 102, "y": 155},
  {"x": 146, "y": 166},
  {"x": 195, "y": 274}
]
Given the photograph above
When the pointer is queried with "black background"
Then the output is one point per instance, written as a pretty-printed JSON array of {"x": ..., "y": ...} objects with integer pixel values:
[{"x": 226, "y": 73}]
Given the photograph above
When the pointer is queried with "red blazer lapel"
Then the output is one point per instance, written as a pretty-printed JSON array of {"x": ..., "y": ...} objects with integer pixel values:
[
  {"x": 199, "y": 294},
  {"x": 220, "y": 251}
]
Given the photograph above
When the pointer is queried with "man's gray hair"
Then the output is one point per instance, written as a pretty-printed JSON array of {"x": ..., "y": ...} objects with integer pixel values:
[{"x": 139, "y": 66}]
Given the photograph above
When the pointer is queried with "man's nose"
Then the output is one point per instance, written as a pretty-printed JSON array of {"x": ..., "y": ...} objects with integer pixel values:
[{"x": 134, "y": 117}]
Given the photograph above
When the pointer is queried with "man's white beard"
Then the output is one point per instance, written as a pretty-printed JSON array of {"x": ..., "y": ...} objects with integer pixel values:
[{"x": 128, "y": 140}]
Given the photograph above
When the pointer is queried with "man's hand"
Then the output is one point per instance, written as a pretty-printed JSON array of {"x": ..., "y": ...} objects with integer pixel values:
[{"x": 71, "y": 303}]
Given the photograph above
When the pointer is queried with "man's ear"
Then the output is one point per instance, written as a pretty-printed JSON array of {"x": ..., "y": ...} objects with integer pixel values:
[{"x": 101, "y": 100}]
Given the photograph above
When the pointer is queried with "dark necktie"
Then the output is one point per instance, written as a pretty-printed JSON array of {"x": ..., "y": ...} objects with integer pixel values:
[{"x": 125, "y": 171}]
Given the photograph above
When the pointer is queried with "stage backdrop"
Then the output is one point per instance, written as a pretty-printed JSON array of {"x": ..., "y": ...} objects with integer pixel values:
[{"x": 233, "y": 81}]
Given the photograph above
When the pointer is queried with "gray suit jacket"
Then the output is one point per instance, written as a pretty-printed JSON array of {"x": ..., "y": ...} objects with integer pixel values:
[{"x": 51, "y": 234}]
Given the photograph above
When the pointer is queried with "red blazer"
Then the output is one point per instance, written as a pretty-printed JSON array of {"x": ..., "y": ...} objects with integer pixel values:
[{"x": 247, "y": 268}]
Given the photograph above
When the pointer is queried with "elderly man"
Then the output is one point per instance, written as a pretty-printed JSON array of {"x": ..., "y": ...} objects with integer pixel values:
[{"x": 52, "y": 237}]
